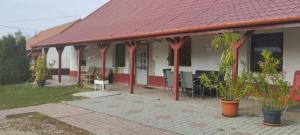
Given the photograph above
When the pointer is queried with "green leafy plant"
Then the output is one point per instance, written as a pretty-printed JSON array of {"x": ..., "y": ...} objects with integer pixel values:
[
  {"x": 230, "y": 89},
  {"x": 40, "y": 70},
  {"x": 270, "y": 88}
]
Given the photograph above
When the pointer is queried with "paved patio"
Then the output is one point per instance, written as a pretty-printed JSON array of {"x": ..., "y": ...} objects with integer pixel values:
[
  {"x": 97, "y": 123},
  {"x": 154, "y": 108},
  {"x": 182, "y": 118}
]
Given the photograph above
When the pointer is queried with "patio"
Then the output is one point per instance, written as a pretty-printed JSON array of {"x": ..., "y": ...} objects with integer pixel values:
[
  {"x": 248, "y": 107},
  {"x": 185, "y": 117}
]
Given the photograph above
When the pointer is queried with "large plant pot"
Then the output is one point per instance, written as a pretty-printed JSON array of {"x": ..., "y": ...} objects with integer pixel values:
[
  {"x": 230, "y": 108},
  {"x": 271, "y": 117},
  {"x": 41, "y": 83}
]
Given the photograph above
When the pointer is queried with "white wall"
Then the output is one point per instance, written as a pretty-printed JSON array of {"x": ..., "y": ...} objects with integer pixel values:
[
  {"x": 53, "y": 55},
  {"x": 291, "y": 53},
  {"x": 73, "y": 59},
  {"x": 203, "y": 56},
  {"x": 92, "y": 56},
  {"x": 206, "y": 58}
]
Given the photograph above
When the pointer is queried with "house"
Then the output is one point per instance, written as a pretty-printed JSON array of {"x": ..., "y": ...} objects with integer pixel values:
[
  {"x": 140, "y": 38},
  {"x": 51, "y": 52}
]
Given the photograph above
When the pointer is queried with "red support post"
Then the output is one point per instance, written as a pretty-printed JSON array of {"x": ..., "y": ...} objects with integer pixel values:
[
  {"x": 236, "y": 46},
  {"x": 78, "y": 52},
  {"x": 59, "y": 51},
  {"x": 103, "y": 49},
  {"x": 176, "y": 44},
  {"x": 131, "y": 47},
  {"x": 46, "y": 51}
]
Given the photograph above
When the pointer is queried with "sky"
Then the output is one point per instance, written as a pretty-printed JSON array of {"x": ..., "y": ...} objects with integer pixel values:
[{"x": 32, "y": 16}]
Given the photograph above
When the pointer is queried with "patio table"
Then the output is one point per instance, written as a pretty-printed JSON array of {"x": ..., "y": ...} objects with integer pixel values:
[{"x": 102, "y": 84}]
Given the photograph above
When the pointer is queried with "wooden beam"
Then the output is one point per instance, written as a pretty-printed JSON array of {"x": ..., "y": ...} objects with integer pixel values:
[
  {"x": 79, "y": 49},
  {"x": 46, "y": 51},
  {"x": 103, "y": 48},
  {"x": 131, "y": 45},
  {"x": 176, "y": 44},
  {"x": 59, "y": 51},
  {"x": 236, "y": 46}
]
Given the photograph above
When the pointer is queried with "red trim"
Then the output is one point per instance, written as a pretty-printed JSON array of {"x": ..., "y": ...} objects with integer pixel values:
[
  {"x": 73, "y": 74},
  {"x": 120, "y": 78},
  {"x": 157, "y": 81}
]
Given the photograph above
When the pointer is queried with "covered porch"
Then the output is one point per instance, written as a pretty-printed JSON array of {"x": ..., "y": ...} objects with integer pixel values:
[{"x": 141, "y": 62}]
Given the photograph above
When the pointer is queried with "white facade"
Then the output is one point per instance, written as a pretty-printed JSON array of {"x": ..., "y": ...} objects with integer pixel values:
[
  {"x": 203, "y": 56},
  {"x": 53, "y": 56}
]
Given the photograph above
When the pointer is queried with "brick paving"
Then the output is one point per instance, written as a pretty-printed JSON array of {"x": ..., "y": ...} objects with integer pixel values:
[
  {"x": 182, "y": 118},
  {"x": 97, "y": 123},
  {"x": 138, "y": 115}
]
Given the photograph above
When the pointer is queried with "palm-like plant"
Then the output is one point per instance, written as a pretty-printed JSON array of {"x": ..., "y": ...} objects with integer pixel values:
[{"x": 230, "y": 89}]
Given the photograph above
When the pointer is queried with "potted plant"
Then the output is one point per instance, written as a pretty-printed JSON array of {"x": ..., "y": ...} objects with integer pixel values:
[
  {"x": 231, "y": 90},
  {"x": 271, "y": 90},
  {"x": 40, "y": 71}
]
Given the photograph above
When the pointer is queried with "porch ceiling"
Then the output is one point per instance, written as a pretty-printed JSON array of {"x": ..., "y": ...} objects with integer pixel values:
[{"x": 135, "y": 19}]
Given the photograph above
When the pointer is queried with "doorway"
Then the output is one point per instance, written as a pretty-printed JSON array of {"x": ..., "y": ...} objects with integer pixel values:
[{"x": 141, "y": 67}]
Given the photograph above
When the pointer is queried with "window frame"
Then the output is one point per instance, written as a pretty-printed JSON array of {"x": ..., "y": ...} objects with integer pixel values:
[
  {"x": 254, "y": 68},
  {"x": 118, "y": 62}
]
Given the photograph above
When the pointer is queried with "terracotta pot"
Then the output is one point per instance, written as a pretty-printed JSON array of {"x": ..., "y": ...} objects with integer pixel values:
[{"x": 230, "y": 108}]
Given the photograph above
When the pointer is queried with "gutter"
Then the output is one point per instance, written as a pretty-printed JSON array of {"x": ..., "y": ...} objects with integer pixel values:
[{"x": 186, "y": 30}]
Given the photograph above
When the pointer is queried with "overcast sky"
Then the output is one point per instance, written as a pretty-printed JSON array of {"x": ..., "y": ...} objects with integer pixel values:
[{"x": 32, "y": 16}]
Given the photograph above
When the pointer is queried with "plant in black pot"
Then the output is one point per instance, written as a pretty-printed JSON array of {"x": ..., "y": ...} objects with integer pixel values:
[
  {"x": 230, "y": 89},
  {"x": 40, "y": 71},
  {"x": 271, "y": 90}
]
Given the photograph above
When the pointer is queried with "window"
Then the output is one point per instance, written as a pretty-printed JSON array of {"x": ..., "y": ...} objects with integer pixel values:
[
  {"x": 184, "y": 54},
  {"x": 120, "y": 55},
  {"x": 272, "y": 42}
]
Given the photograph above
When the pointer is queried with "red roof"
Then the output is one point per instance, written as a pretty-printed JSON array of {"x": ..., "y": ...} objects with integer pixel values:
[
  {"x": 48, "y": 33},
  {"x": 129, "y": 19}
]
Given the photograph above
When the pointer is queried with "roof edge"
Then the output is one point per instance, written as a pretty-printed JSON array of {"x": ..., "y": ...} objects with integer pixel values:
[{"x": 188, "y": 30}]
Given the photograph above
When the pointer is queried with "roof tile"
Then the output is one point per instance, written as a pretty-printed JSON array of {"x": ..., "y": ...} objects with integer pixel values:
[{"x": 123, "y": 18}]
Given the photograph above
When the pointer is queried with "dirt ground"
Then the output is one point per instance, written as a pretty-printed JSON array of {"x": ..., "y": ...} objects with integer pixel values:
[{"x": 37, "y": 124}]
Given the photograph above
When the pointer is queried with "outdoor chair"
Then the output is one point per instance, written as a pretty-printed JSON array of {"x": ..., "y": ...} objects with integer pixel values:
[
  {"x": 188, "y": 82},
  {"x": 165, "y": 76},
  {"x": 170, "y": 80},
  {"x": 89, "y": 76}
]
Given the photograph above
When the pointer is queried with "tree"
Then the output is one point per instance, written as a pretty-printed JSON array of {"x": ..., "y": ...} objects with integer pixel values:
[{"x": 14, "y": 67}]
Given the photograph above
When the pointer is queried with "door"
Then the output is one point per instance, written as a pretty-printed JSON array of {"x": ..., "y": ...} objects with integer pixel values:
[{"x": 141, "y": 68}]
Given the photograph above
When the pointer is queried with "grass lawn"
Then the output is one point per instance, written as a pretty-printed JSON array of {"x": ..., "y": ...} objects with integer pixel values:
[{"x": 22, "y": 95}]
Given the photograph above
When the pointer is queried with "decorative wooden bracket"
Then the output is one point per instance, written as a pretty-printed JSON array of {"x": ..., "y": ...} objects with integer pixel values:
[
  {"x": 236, "y": 47},
  {"x": 103, "y": 49},
  {"x": 59, "y": 51},
  {"x": 176, "y": 44},
  {"x": 46, "y": 51},
  {"x": 131, "y": 45},
  {"x": 79, "y": 49}
]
